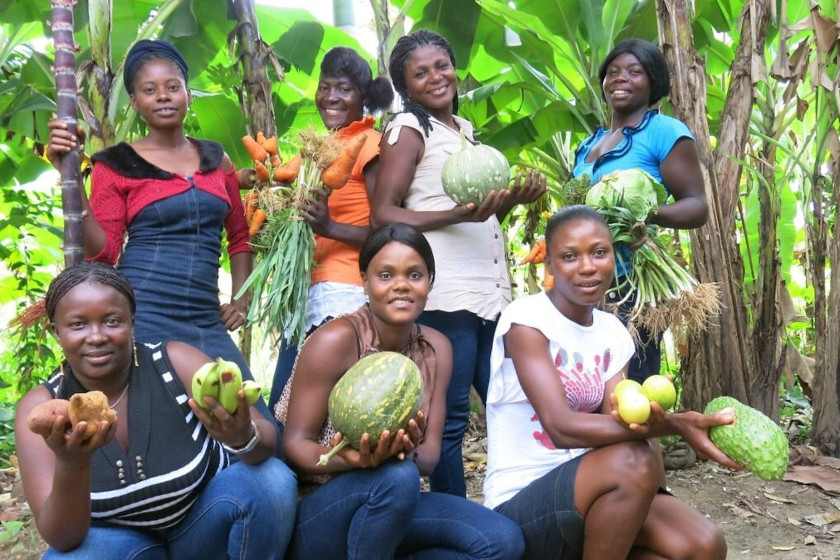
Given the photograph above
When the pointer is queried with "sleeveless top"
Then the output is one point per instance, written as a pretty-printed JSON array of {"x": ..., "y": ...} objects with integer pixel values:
[
  {"x": 418, "y": 349},
  {"x": 170, "y": 458},
  {"x": 471, "y": 267}
]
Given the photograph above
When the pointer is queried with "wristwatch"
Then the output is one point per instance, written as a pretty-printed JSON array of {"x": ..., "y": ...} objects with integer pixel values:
[{"x": 248, "y": 447}]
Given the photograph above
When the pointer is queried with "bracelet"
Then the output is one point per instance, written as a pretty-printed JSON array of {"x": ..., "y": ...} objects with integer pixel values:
[{"x": 248, "y": 447}]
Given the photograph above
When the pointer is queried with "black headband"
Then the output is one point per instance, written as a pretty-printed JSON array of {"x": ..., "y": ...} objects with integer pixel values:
[{"x": 146, "y": 49}]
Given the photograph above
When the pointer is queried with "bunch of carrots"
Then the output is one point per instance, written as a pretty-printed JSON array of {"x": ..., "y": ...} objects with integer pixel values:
[{"x": 283, "y": 240}]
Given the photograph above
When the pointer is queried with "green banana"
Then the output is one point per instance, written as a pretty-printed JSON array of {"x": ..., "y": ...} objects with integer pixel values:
[
  {"x": 230, "y": 382},
  {"x": 252, "y": 391},
  {"x": 205, "y": 383}
]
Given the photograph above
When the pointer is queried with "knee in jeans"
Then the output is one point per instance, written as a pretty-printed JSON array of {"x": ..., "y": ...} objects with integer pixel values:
[
  {"x": 270, "y": 482},
  {"x": 511, "y": 542},
  {"x": 400, "y": 479}
]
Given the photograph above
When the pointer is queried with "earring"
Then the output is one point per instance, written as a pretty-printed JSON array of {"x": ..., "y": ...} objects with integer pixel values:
[{"x": 134, "y": 344}]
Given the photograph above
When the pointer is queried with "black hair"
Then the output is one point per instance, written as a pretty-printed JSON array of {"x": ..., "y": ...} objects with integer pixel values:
[
  {"x": 147, "y": 49},
  {"x": 404, "y": 48},
  {"x": 569, "y": 214},
  {"x": 71, "y": 277},
  {"x": 401, "y": 233},
  {"x": 651, "y": 59},
  {"x": 343, "y": 61}
]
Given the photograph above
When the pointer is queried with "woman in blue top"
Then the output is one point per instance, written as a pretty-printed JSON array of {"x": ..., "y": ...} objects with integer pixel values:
[{"x": 634, "y": 78}]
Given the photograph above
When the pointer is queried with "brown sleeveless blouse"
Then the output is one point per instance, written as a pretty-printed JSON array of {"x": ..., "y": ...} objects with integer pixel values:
[{"x": 418, "y": 350}]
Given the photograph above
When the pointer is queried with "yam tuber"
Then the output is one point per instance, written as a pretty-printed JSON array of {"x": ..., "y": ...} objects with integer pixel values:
[{"x": 91, "y": 407}]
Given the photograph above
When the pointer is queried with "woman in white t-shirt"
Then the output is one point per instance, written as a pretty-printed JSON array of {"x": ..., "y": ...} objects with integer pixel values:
[{"x": 580, "y": 482}]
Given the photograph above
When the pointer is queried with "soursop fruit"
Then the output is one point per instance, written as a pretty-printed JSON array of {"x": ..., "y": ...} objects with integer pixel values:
[{"x": 753, "y": 440}]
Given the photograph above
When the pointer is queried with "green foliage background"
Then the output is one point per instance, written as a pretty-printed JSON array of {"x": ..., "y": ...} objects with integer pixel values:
[{"x": 528, "y": 80}]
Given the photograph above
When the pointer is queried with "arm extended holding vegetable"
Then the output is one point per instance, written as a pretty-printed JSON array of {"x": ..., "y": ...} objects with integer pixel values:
[{"x": 528, "y": 349}]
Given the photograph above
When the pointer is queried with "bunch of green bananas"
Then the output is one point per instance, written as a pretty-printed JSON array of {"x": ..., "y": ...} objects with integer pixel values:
[{"x": 222, "y": 380}]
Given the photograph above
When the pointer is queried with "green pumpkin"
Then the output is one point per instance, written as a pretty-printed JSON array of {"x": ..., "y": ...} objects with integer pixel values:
[
  {"x": 470, "y": 174},
  {"x": 380, "y": 392},
  {"x": 753, "y": 440}
]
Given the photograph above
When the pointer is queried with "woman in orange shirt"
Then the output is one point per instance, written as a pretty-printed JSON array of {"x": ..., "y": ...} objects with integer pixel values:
[{"x": 346, "y": 88}]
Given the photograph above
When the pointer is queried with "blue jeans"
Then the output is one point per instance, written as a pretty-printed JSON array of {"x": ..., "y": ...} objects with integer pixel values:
[
  {"x": 245, "y": 512},
  {"x": 545, "y": 509},
  {"x": 472, "y": 340},
  {"x": 373, "y": 514}
]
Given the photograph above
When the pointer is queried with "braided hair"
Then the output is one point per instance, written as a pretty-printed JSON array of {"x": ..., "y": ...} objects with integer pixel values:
[
  {"x": 346, "y": 62},
  {"x": 71, "y": 277},
  {"x": 404, "y": 48}
]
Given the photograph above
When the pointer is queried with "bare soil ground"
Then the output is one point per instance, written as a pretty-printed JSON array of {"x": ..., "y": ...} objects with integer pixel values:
[{"x": 781, "y": 520}]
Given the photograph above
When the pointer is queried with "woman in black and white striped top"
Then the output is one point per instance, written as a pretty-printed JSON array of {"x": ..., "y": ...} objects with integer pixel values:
[{"x": 160, "y": 478}]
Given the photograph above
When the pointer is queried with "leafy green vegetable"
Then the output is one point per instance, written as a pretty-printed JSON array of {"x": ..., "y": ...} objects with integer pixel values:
[
  {"x": 632, "y": 189},
  {"x": 665, "y": 292}
]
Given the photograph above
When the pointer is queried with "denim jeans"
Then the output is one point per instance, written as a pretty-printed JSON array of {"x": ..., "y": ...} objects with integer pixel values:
[
  {"x": 472, "y": 340},
  {"x": 545, "y": 509},
  {"x": 380, "y": 514},
  {"x": 246, "y": 512}
]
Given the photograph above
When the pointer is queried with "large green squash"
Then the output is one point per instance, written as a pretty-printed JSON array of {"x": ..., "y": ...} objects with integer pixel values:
[
  {"x": 470, "y": 174},
  {"x": 753, "y": 440},
  {"x": 380, "y": 392}
]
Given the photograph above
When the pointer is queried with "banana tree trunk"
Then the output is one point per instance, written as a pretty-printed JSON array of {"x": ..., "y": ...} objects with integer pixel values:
[
  {"x": 387, "y": 34},
  {"x": 824, "y": 246},
  {"x": 721, "y": 360},
  {"x": 253, "y": 55},
  {"x": 66, "y": 88},
  {"x": 96, "y": 108}
]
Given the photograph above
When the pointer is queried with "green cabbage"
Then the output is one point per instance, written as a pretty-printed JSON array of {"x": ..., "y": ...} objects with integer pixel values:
[{"x": 633, "y": 189}]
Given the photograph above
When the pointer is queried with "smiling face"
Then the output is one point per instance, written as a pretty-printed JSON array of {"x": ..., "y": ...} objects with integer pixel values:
[
  {"x": 339, "y": 102},
  {"x": 430, "y": 80},
  {"x": 580, "y": 256},
  {"x": 94, "y": 326},
  {"x": 626, "y": 84},
  {"x": 160, "y": 95},
  {"x": 397, "y": 283}
]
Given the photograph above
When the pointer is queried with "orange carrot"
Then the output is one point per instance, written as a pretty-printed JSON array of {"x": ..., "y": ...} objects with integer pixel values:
[
  {"x": 548, "y": 279},
  {"x": 257, "y": 152},
  {"x": 260, "y": 138},
  {"x": 537, "y": 254},
  {"x": 270, "y": 145},
  {"x": 288, "y": 172},
  {"x": 275, "y": 161},
  {"x": 338, "y": 172},
  {"x": 262, "y": 171},
  {"x": 257, "y": 220},
  {"x": 251, "y": 200}
]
